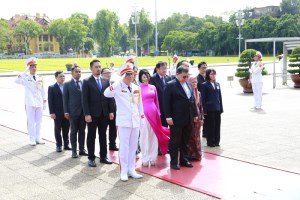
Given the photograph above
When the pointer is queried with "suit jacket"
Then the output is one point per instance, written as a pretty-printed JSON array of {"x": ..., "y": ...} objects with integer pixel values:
[
  {"x": 94, "y": 103},
  {"x": 157, "y": 82},
  {"x": 211, "y": 97},
  {"x": 177, "y": 105},
  {"x": 72, "y": 99},
  {"x": 55, "y": 100},
  {"x": 200, "y": 80}
]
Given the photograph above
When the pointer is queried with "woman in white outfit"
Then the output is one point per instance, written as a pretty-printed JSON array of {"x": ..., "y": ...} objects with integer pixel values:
[{"x": 256, "y": 79}]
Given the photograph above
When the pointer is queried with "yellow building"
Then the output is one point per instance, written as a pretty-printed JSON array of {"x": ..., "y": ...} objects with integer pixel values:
[{"x": 44, "y": 43}]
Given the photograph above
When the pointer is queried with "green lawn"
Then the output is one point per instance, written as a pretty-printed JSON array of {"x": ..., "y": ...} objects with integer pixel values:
[{"x": 59, "y": 63}]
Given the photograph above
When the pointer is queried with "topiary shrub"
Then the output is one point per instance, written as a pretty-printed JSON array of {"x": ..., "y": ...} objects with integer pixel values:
[
  {"x": 245, "y": 61},
  {"x": 295, "y": 61}
]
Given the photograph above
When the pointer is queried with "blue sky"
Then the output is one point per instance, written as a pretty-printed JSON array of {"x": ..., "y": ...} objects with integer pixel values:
[{"x": 64, "y": 8}]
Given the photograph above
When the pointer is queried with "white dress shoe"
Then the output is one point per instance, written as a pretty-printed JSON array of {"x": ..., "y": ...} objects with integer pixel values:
[
  {"x": 135, "y": 175},
  {"x": 152, "y": 163},
  {"x": 32, "y": 143},
  {"x": 124, "y": 177}
]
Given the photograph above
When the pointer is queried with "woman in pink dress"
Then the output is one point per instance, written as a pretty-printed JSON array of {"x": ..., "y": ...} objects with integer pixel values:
[{"x": 152, "y": 133}]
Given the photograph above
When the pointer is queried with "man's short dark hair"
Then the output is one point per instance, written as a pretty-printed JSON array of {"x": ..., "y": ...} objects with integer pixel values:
[
  {"x": 58, "y": 73},
  {"x": 94, "y": 61},
  {"x": 159, "y": 64},
  {"x": 208, "y": 72},
  {"x": 201, "y": 63},
  {"x": 182, "y": 69},
  {"x": 142, "y": 72},
  {"x": 74, "y": 67},
  {"x": 103, "y": 69}
]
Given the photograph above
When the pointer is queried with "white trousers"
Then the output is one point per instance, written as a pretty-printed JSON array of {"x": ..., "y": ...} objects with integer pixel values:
[
  {"x": 257, "y": 92},
  {"x": 148, "y": 143},
  {"x": 34, "y": 120},
  {"x": 128, "y": 145}
]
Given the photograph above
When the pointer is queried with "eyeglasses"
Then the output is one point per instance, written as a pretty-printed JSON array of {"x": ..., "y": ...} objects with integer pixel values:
[{"x": 185, "y": 77}]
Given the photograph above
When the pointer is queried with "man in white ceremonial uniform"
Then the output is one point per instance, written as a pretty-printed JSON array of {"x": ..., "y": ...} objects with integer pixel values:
[
  {"x": 35, "y": 99},
  {"x": 129, "y": 117}
]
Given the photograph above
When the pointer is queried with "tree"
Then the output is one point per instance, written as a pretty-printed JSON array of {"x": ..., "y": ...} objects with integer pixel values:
[
  {"x": 104, "y": 31},
  {"x": 179, "y": 41},
  {"x": 206, "y": 39},
  {"x": 144, "y": 28},
  {"x": 123, "y": 37},
  {"x": 27, "y": 30},
  {"x": 4, "y": 33},
  {"x": 290, "y": 7},
  {"x": 77, "y": 34},
  {"x": 60, "y": 29}
]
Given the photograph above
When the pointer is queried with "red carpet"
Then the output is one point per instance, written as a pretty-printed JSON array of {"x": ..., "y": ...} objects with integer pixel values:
[{"x": 215, "y": 175}]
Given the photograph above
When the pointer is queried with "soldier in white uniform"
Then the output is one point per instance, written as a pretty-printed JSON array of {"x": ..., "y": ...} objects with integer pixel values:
[
  {"x": 35, "y": 99},
  {"x": 256, "y": 80},
  {"x": 129, "y": 116}
]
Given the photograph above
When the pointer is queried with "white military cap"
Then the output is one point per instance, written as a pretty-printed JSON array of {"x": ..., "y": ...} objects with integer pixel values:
[
  {"x": 130, "y": 59},
  {"x": 127, "y": 67},
  {"x": 31, "y": 61}
]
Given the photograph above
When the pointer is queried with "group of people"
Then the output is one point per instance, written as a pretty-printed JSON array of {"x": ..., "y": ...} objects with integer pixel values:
[{"x": 161, "y": 113}]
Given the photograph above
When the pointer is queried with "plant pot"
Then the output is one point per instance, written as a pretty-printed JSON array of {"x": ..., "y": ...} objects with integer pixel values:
[
  {"x": 296, "y": 79},
  {"x": 247, "y": 87},
  {"x": 69, "y": 67}
]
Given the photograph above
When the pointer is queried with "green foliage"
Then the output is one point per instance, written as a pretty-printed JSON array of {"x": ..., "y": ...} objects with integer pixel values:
[
  {"x": 295, "y": 61},
  {"x": 105, "y": 31},
  {"x": 246, "y": 58},
  {"x": 27, "y": 30},
  {"x": 290, "y": 6},
  {"x": 179, "y": 41},
  {"x": 4, "y": 33}
]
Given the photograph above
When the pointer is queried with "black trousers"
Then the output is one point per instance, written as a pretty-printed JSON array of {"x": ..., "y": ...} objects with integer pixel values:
[
  {"x": 112, "y": 132},
  {"x": 101, "y": 123},
  {"x": 61, "y": 125},
  {"x": 77, "y": 131},
  {"x": 213, "y": 125},
  {"x": 179, "y": 138}
]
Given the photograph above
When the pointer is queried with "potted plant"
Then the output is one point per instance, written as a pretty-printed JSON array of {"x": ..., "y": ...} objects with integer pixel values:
[
  {"x": 242, "y": 71},
  {"x": 69, "y": 66},
  {"x": 294, "y": 66}
]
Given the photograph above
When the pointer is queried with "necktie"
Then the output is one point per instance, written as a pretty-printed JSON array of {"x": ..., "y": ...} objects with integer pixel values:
[
  {"x": 99, "y": 85},
  {"x": 129, "y": 88},
  {"x": 34, "y": 78},
  {"x": 163, "y": 79},
  {"x": 77, "y": 85}
]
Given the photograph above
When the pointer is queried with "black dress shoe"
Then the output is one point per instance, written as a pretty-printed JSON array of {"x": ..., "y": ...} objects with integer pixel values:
[
  {"x": 176, "y": 167},
  {"x": 83, "y": 153},
  {"x": 74, "y": 154},
  {"x": 186, "y": 164},
  {"x": 113, "y": 148},
  {"x": 217, "y": 145},
  {"x": 67, "y": 147},
  {"x": 92, "y": 163},
  {"x": 105, "y": 161},
  {"x": 58, "y": 149}
]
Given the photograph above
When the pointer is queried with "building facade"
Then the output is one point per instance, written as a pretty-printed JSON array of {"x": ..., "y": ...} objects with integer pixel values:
[{"x": 44, "y": 43}]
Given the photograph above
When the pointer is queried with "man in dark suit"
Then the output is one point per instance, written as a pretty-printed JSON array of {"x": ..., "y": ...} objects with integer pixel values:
[
  {"x": 73, "y": 111},
  {"x": 55, "y": 102},
  {"x": 202, "y": 66},
  {"x": 97, "y": 110},
  {"x": 159, "y": 80},
  {"x": 180, "y": 113}
]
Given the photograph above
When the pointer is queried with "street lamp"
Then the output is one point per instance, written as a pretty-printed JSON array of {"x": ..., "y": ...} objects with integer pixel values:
[
  {"x": 156, "y": 33},
  {"x": 239, "y": 22},
  {"x": 135, "y": 20}
]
